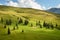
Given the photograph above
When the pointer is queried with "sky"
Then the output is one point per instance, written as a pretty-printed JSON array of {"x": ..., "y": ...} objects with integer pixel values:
[{"x": 36, "y": 4}]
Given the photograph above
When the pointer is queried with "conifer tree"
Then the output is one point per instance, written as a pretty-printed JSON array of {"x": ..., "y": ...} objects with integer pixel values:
[{"x": 9, "y": 31}]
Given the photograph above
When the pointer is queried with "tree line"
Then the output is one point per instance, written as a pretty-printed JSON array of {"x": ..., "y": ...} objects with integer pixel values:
[{"x": 26, "y": 22}]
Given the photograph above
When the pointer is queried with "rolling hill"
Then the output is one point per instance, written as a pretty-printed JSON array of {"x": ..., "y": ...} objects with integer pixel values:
[
  {"x": 55, "y": 10},
  {"x": 30, "y": 14},
  {"x": 29, "y": 33}
]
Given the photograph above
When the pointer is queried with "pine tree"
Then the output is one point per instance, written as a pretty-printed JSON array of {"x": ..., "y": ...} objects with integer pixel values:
[
  {"x": 17, "y": 25},
  {"x": 40, "y": 25},
  {"x": 7, "y": 23},
  {"x": 1, "y": 20},
  {"x": 22, "y": 31},
  {"x": 44, "y": 24},
  {"x": 20, "y": 21},
  {"x": 31, "y": 25},
  {"x": 4, "y": 26},
  {"x": 10, "y": 22},
  {"x": 26, "y": 22},
  {"x": 8, "y": 31},
  {"x": 13, "y": 28},
  {"x": 52, "y": 26}
]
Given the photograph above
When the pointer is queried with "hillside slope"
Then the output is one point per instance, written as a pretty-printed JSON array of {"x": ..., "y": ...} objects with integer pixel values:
[
  {"x": 31, "y": 14},
  {"x": 54, "y": 10},
  {"x": 10, "y": 17}
]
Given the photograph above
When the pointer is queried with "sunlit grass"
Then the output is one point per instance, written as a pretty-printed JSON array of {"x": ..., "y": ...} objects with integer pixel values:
[{"x": 30, "y": 33}]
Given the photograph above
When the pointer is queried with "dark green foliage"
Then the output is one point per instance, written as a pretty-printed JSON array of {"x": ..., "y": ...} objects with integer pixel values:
[
  {"x": 44, "y": 24},
  {"x": 8, "y": 22},
  {"x": 1, "y": 20},
  {"x": 47, "y": 25},
  {"x": 9, "y": 31},
  {"x": 31, "y": 25},
  {"x": 4, "y": 26},
  {"x": 17, "y": 25},
  {"x": 52, "y": 26},
  {"x": 17, "y": 17},
  {"x": 40, "y": 25},
  {"x": 37, "y": 23},
  {"x": 26, "y": 22},
  {"x": 22, "y": 31},
  {"x": 57, "y": 27},
  {"x": 14, "y": 28},
  {"x": 20, "y": 21}
]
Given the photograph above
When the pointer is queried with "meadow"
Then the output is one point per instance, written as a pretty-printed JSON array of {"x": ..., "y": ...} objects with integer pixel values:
[{"x": 28, "y": 24}]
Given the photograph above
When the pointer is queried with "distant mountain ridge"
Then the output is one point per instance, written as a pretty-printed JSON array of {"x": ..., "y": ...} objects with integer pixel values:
[{"x": 54, "y": 10}]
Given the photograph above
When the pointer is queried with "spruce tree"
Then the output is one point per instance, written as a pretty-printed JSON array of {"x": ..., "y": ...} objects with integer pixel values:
[
  {"x": 31, "y": 25},
  {"x": 1, "y": 20},
  {"x": 4, "y": 26},
  {"x": 26, "y": 22},
  {"x": 17, "y": 25},
  {"x": 8, "y": 31},
  {"x": 20, "y": 21},
  {"x": 14, "y": 28},
  {"x": 40, "y": 25}
]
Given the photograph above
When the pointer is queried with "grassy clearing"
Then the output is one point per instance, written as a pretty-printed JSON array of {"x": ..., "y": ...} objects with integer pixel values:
[{"x": 30, "y": 33}]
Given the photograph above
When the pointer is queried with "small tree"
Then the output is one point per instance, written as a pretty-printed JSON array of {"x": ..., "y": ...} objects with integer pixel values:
[
  {"x": 8, "y": 31},
  {"x": 40, "y": 25},
  {"x": 52, "y": 26},
  {"x": 4, "y": 26},
  {"x": 22, "y": 31},
  {"x": 26, "y": 22},
  {"x": 37, "y": 23},
  {"x": 10, "y": 22},
  {"x": 31, "y": 25},
  {"x": 1, "y": 20},
  {"x": 44, "y": 24},
  {"x": 56, "y": 25},
  {"x": 20, "y": 21},
  {"x": 13, "y": 28},
  {"x": 47, "y": 26},
  {"x": 17, "y": 25}
]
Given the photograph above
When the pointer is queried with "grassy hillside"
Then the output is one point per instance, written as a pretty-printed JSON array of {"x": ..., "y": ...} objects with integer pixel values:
[{"x": 30, "y": 32}]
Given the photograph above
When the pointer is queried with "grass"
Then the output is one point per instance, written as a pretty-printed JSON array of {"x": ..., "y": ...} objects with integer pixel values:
[{"x": 30, "y": 33}]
